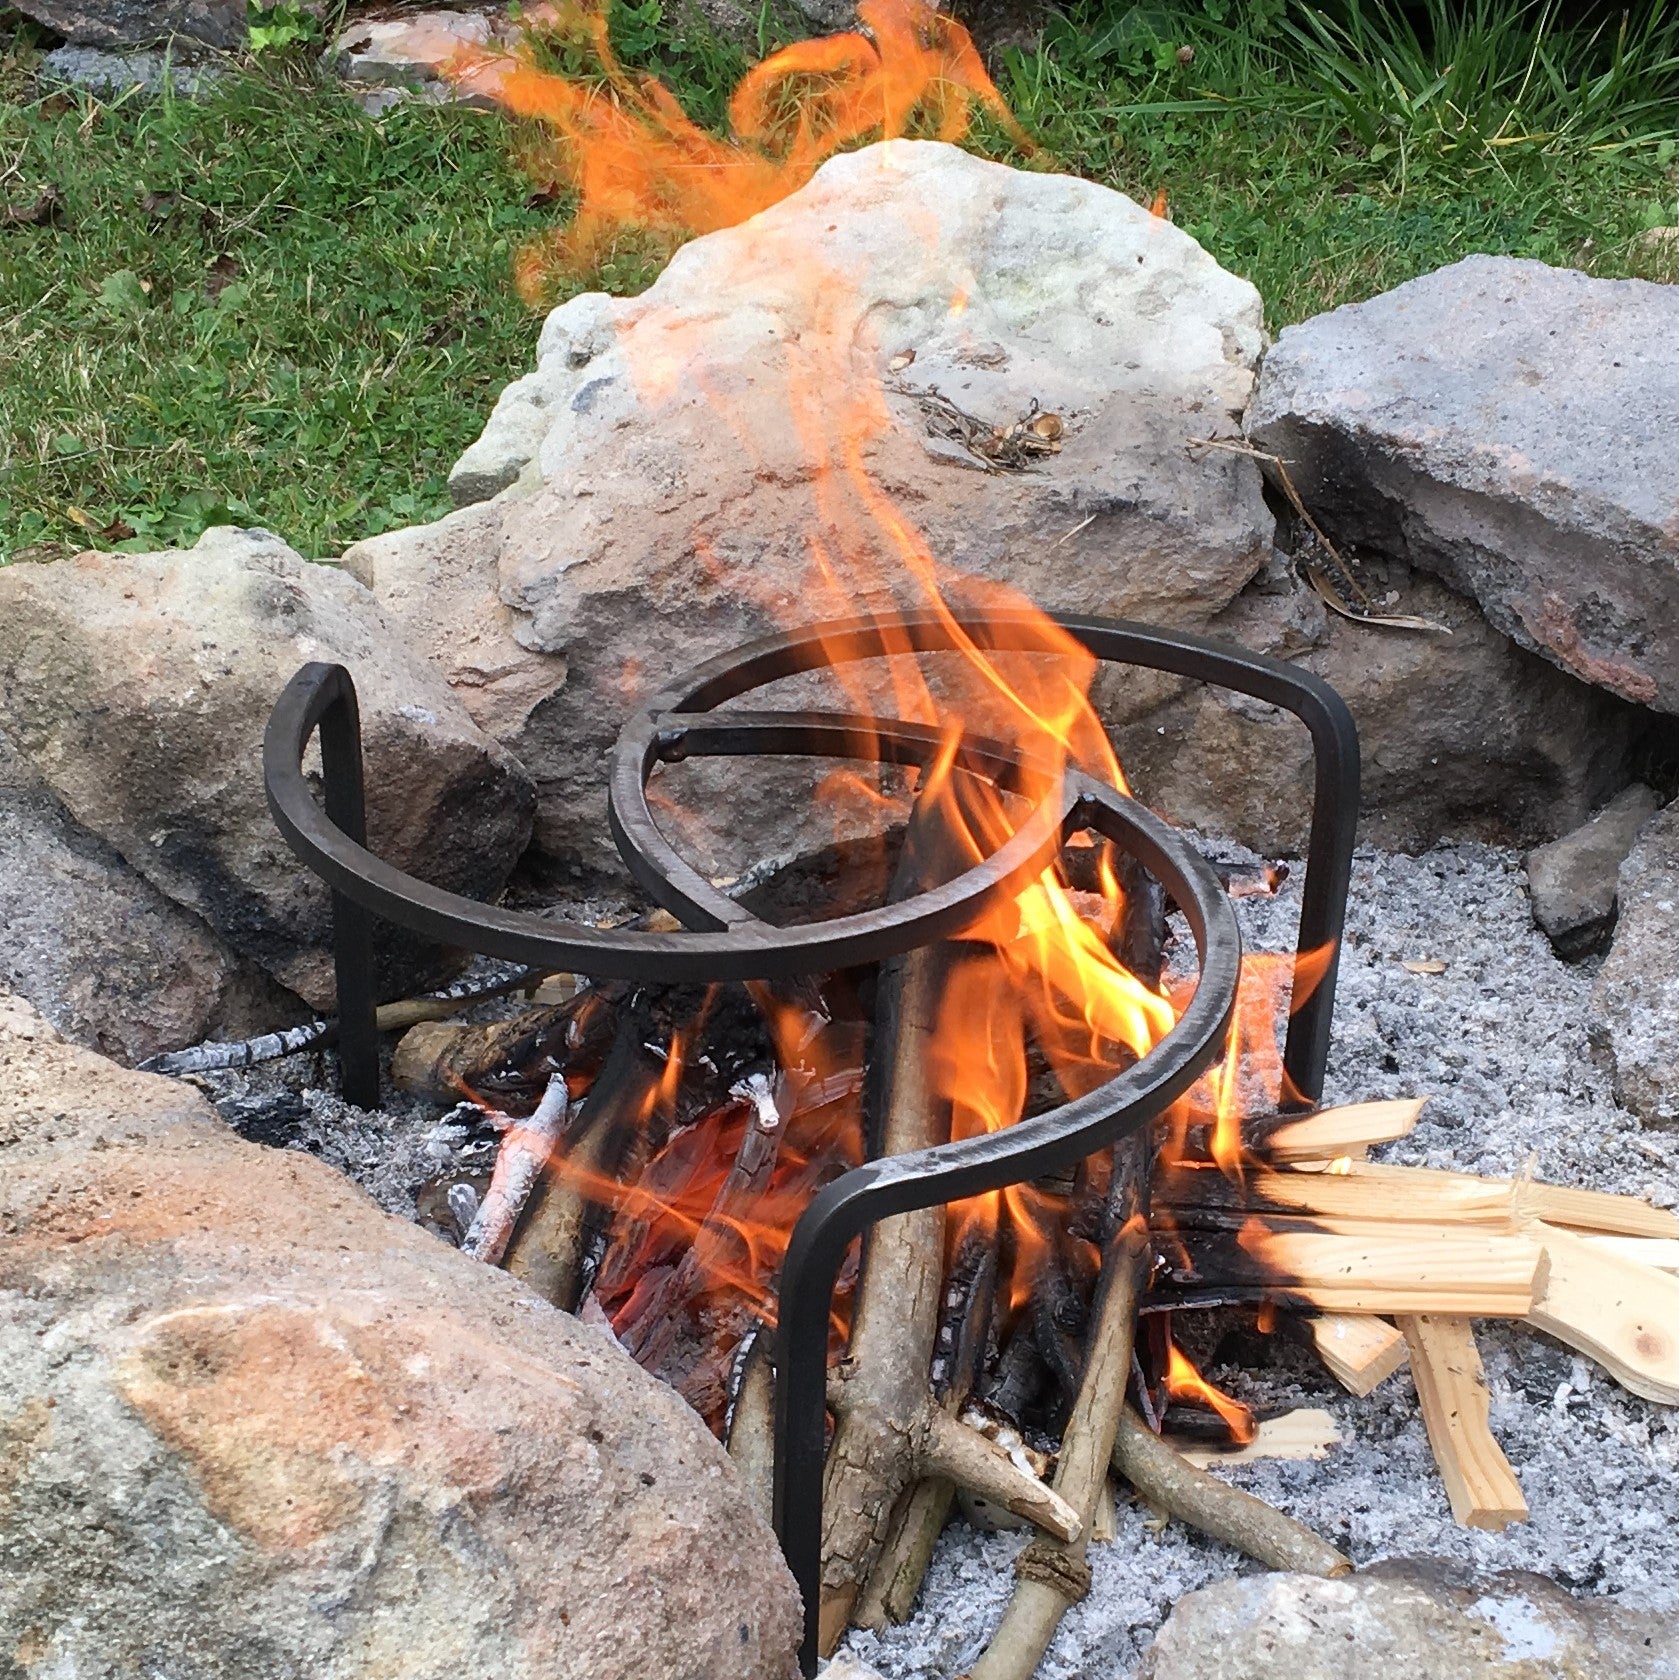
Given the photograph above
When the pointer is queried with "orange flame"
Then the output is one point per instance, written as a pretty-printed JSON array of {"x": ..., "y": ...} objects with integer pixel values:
[
  {"x": 1250, "y": 1078},
  {"x": 1048, "y": 978},
  {"x": 638, "y": 162},
  {"x": 1184, "y": 1382}
]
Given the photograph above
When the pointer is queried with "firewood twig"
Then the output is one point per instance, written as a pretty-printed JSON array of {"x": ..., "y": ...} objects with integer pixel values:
[
  {"x": 1052, "y": 1573},
  {"x": 1163, "y": 1477},
  {"x": 215, "y": 1056},
  {"x": 525, "y": 1151}
]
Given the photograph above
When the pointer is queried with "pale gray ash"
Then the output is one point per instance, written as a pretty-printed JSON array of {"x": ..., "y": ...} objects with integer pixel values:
[{"x": 1497, "y": 1042}]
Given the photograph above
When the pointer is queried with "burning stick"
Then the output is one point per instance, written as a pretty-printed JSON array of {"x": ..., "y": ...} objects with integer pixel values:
[
  {"x": 890, "y": 1431},
  {"x": 548, "y": 1247},
  {"x": 663, "y": 1310},
  {"x": 1165, "y": 1478},
  {"x": 1353, "y": 1266},
  {"x": 506, "y": 1062},
  {"x": 1053, "y": 1574},
  {"x": 524, "y": 1152},
  {"x": 1378, "y": 1190}
]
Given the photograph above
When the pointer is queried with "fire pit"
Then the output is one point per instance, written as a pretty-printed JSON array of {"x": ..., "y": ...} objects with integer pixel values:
[{"x": 727, "y": 942}]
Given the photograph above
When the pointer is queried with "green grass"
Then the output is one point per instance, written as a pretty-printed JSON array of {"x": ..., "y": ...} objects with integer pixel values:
[
  {"x": 269, "y": 308},
  {"x": 1326, "y": 170}
]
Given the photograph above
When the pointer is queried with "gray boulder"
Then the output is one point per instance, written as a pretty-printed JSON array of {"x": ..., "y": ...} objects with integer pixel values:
[
  {"x": 1635, "y": 1003},
  {"x": 143, "y": 23},
  {"x": 1515, "y": 428},
  {"x": 104, "y": 956},
  {"x": 127, "y": 71},
  {"x": 138, "y": 688},
  {"x": 1572, "y": 881},
  {"x": 1423, "y": 1621},
  {"x": 772, "y": 434},
  {"x": 255, "y": 1429},
  {"x": 1465, "y": 736}
]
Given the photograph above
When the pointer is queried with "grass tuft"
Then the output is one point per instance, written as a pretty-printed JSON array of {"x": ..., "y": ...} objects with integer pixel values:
[{"x": 267, "y": 308}]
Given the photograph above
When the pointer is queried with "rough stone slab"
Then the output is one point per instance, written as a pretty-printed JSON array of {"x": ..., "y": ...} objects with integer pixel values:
[
  {"x": 1465, "y": 736},
  {"x": 254, "y": 1429},
  {"x": 436, "y": 584},
  {"x": 138, "y": 687},
  {"x": 427, "y": 52},
  {"x": 143, "y": 23},
  {"x": 1427, "y": 1622},
  {"x": 111, "y": 74},
  {"x": 677, "y": 455},
  {"x": 1573, "y": 880},
  {"x": 1635, "y": 1003},
  {"x": 109, "y": 960},
  {"x": 1515, "y": 428}
]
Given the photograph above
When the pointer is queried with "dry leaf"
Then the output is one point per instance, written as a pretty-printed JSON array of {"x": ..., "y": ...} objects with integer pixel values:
[
  {"x": 900, "y": 361},
  {"x": 1389, "y": 621},
  {"x": 1049, "y": 427},
  {"x": 1423, "y": 965},
  {"x": 220, "y": 274},
  {"x": 45, "y": 208}
]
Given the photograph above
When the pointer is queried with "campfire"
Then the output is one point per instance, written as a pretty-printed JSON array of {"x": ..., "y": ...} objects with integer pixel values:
[
  {"x": 1010, "y": 1038},
  {"x": 997, "y": 1357}
]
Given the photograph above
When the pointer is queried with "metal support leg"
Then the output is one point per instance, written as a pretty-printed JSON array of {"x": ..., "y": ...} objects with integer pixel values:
[{"x": 352, "y": 923}]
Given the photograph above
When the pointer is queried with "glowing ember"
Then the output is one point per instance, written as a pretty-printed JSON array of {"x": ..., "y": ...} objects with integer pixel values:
[{"x": 1184, "y": 1382}]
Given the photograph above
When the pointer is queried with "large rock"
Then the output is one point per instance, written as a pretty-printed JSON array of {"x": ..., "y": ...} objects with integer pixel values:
[
  {"x": 685, "y": 464},
  {"x": 1515, "y": 428},
  {"x": 428, "y": 52},
  {"x": 1635, "y": 1003},
  {"x": 109, "y": 960},
  {"x": 1423, "y": 1622},
  {"x": 1462, "y": 736},
  {"x": 138, "y": 687},
  {"x": 143, "y": 23},
  {"x": 1573, "y": 881},
  {"x": 436, "y": 583},
  {"x": 251, "y": 1428}
]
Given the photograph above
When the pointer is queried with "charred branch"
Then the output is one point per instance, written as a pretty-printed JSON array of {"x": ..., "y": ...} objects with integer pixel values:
[
  {"x": 218, "y": 1057},
  {"x": 547, "y": 1248},
  {"x": 524, "y": 1155}
]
